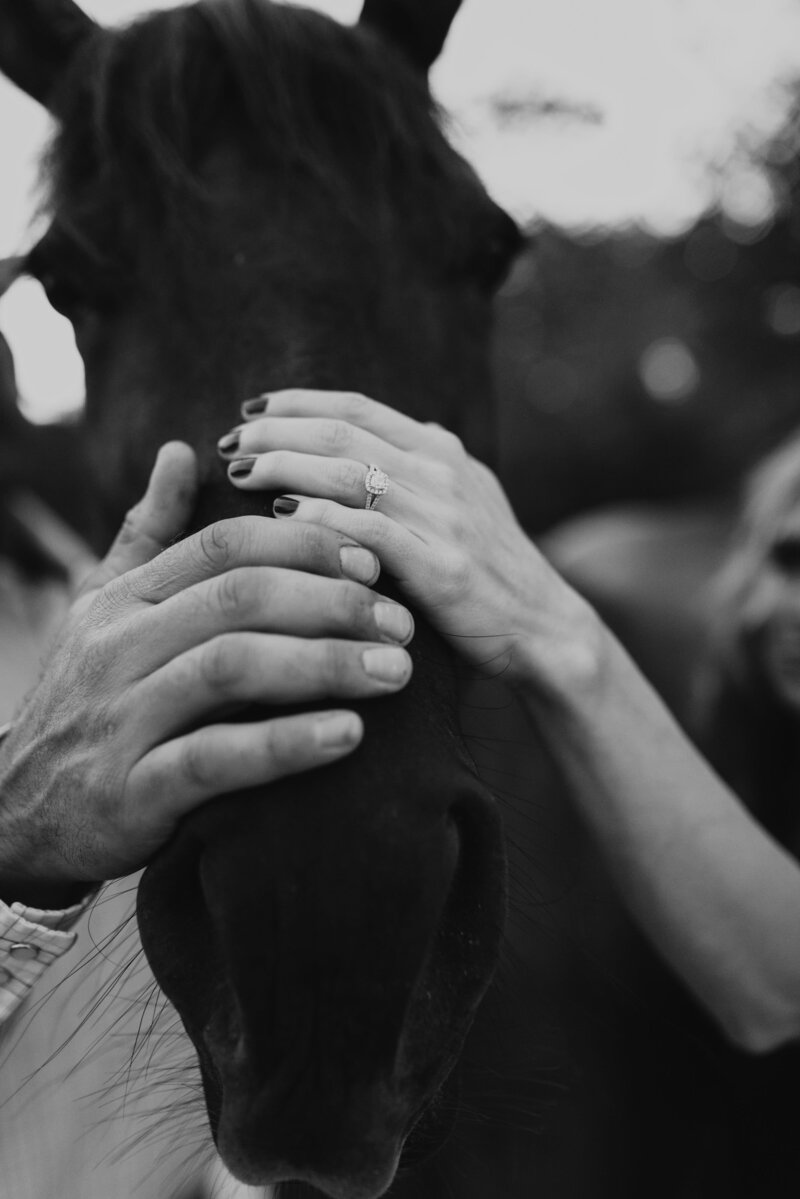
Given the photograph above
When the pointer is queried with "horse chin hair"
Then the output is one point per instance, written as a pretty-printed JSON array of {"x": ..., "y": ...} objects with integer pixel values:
[
  {"x": 425, "y": 1139},
  {"x": 434, "y": 1126},
  {"x": 296, "y": 1190}
]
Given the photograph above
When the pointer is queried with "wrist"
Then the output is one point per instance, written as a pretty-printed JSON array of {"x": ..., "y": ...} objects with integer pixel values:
[
  {"x": 559, "y": 664},
  {"x": 22, "y": 878},
  {"x": 37, "y": 879}
]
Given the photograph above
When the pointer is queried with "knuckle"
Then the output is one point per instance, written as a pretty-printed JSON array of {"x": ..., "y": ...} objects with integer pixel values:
[
  {"x": 219, "y": 664},
  {"x": 195, "y": 765},
  {"x": 278, "y": 464},
  {"x": 449, "y": 444},
  {"x": 278, "y": 748},
  {"x": 219, "y": 545},
  {"x": 234, "y": 595},
  {"x": 354, "y": 406},
  {"x": 456, "y": 528},
  {"x": 334, "y": 435},
  {"x": 111, "y": 597},
  {"x": 455, "y": 567},
  {"x": 95, "y": 654},
  {"x": 334, "y": 662},
  {"x": 316, "y": 546},
  {"x": 353, "y": 477},
  {"x": 447, "y": 478},
  {"x": 352, "y": 606},
  {"x": 485, "y": 472}
]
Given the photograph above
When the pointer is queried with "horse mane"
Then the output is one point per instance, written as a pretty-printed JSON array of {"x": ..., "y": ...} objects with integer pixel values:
[{"x": 143, "y": 104}]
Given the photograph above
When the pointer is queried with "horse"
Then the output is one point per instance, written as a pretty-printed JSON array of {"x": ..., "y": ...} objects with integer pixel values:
[{"x": 247, "y": 196}]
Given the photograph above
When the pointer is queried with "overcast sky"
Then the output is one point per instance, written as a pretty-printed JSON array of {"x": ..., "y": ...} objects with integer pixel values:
[{"x": 668, "y": 86}]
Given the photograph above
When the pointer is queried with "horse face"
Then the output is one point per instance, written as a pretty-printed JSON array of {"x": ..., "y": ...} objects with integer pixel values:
[{"x": 326, "y": 942}]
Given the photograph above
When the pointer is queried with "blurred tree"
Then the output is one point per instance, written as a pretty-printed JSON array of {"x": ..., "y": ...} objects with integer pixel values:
[
  {"x": 634, "y": 368},
  {"x": 630, "y": 368}
]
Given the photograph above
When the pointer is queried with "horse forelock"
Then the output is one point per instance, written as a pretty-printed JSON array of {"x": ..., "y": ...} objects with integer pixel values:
[{"x": 143, "y": 105}]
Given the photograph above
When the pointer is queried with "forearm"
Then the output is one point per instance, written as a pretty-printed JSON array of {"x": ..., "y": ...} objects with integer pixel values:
[{"x": 717, "y": 896}]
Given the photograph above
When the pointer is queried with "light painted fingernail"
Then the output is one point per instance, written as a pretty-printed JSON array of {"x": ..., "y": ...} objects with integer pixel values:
[
  {"x": 359, "y": 564},
  {"x": 339, "y": 730},
  {"x": 394, "y": 622},
  {"x": 387, "y": 665}
]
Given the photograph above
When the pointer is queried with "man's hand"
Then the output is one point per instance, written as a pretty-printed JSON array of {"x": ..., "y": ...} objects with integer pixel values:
[{"x": 115, "y": 744}]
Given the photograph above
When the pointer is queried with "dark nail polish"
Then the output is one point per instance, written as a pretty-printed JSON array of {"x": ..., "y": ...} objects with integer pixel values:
[
  {"x": 229, "y": 444},
  {"x": 241, "y": 468},
  {"x": 255, "y": 407},
  {"x": 285, "y": 506}
]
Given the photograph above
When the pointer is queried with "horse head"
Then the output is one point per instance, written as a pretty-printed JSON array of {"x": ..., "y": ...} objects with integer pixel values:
[{"x": 244, "y": 196}]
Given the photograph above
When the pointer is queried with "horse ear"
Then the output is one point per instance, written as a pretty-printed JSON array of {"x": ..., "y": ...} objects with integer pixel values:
[
  {"x": 37, "y": 40},
  {"x": 417, "y": 27}
]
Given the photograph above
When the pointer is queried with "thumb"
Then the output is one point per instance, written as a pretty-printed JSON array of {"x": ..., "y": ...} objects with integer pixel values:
[{"x": 160, "y": 516}]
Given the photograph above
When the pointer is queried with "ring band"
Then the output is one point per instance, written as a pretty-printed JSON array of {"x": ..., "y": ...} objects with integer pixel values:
[{"x": 376, "y": 484}]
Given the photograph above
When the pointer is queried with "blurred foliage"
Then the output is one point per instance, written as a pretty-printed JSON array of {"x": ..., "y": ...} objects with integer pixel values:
[{"x": 634, "y": 368}]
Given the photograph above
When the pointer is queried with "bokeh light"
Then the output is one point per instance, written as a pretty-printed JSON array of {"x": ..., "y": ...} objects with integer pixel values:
[{"x": 669, "y": 371}]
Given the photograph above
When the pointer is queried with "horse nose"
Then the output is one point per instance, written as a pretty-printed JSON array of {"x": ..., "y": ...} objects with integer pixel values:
[
  {"x": 349, "y": 1152},
  {"x": 328, "y": 957},
  {"x": 346, "y": 1013}
]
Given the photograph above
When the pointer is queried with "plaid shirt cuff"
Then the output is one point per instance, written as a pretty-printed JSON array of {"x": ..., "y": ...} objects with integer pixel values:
[{"x": 30, "y": 940}]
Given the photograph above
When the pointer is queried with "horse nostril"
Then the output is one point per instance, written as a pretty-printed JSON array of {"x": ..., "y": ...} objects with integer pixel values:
[
  {"x": 465, "y": 945},
  {"x": 329, "y": 1028}
]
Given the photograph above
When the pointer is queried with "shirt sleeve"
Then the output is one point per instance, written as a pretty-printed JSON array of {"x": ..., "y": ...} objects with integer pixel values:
[{"x": 30, "y": 940}]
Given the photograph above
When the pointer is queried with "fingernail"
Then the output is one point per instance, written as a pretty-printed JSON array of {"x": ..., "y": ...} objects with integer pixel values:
[
  {"x": 229, "y": 444},
  {"x": 387, "y": 665},
  {"x": 338, "y": 730},
  {"x": 284, "y": 505},
  {"x": 241, "y": 468},
  {"x": 394, "y": 622},
  {"x": 255, "y": 407},
  {"x": 359, "y": 564}
]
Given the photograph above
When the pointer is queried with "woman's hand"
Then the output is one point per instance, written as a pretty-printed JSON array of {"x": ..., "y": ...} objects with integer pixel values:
[
  {"x": 444, "y": 530},
  {"x": 107, "y": 755}
]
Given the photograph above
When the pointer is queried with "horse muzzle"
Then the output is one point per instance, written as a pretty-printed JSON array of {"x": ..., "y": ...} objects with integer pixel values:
[{"x": 327, "y": 942}]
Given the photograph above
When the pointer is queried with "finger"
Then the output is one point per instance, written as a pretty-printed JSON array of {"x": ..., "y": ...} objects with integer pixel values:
[
  {"x": 401, "y": 548},
  {"x": 160, "y": 516},
  {"x": 270, "y": 600},
  {"x": 368, "y": 414},
  {"x": 248, "y": 541},
  {"x": 327, "y": 438},
  {"x": 337, "y": 479},
  {"x": 217, "y": 759},
  {"x": 242, "y": 668}
]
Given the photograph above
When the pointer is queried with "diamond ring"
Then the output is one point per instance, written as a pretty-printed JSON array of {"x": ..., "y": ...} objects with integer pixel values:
[{"x": 376, "y": 484}]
